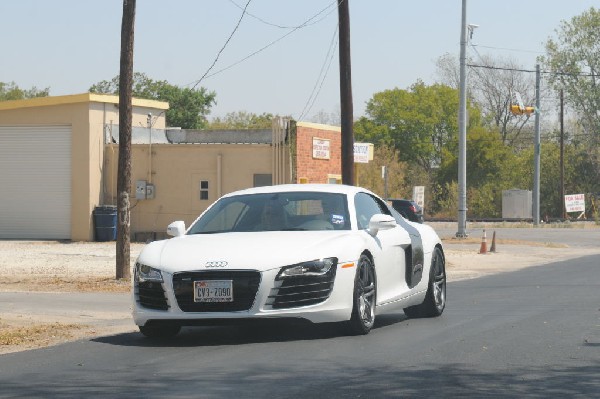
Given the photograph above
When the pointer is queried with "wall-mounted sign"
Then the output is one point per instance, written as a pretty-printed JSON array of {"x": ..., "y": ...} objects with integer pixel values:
[
  {"x": 363, "y": 152},
  {"x": 321, "y": 148}
]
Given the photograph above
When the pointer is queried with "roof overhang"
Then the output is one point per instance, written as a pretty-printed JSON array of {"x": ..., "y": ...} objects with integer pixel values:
[{"x": 79, "y": 98}]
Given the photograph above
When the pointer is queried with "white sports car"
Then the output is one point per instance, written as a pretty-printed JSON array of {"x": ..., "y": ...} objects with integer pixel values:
[{"x": 320, "y": 252}]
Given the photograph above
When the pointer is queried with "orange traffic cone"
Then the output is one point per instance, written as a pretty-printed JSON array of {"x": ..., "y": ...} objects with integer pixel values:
[
  {"x": 483, "y": 248},
  {"x": 493, "y": 247}
]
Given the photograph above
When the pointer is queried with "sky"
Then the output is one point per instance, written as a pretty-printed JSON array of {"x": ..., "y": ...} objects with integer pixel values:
[{"x": 282, "y": 58}]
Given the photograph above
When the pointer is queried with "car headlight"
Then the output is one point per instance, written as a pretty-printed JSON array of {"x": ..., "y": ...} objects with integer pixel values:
[
  {"x": 147, "y": 273},
  {"x": 317, "y": 267}
]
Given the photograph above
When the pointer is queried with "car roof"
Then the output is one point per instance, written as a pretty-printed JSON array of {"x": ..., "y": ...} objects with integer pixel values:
[{"x": 324, "y": 188}]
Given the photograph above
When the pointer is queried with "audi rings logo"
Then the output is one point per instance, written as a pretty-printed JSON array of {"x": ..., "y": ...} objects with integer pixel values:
[{"x": 217, "y": 263}]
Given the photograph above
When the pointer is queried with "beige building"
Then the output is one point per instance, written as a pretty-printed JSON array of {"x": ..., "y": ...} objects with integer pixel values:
[
  {"x": 59, "y": 157},
  {"x": 51, "y": 162}
]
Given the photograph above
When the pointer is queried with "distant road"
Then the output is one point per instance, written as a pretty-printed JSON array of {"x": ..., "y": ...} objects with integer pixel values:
[{"x": 573, "y": 237}]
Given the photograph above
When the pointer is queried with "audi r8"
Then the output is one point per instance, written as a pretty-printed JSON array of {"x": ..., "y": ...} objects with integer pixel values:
[{"x": 319, "y": 252}]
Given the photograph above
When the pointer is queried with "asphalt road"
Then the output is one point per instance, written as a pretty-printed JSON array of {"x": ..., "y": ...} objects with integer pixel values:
[
  {"x": 531, "y": 333},
  {"x": 573, "y": 237}
]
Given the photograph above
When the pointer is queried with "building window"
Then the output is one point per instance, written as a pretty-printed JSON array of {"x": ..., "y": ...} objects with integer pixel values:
[
  {"x": 334, "y": 179},
  {"x": 203, "y": 189},
  {"x": 263, "y": 179}
]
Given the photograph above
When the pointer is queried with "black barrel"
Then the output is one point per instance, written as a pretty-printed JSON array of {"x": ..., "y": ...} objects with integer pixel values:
[{"x": 105, "y": 221}]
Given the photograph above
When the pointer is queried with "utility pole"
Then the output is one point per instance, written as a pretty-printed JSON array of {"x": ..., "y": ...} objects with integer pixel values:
[
  {"x": 462, "y": 128},
  {"x": 125, "y": 126},
  {"x": 346, "y": 94},
  {"x": 536, "y": 147},
  {"x": 562, "y": 155}
]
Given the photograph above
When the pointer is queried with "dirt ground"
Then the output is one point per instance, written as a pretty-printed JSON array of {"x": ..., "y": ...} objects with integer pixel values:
[{"x": 49, "y": 266}]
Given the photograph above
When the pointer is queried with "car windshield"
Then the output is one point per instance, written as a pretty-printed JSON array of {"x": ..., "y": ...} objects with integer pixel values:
[{"x": 285, "y": 211}]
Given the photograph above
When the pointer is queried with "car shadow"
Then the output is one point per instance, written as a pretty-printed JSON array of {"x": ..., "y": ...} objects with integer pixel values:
[{"x": 266, "y": 331}]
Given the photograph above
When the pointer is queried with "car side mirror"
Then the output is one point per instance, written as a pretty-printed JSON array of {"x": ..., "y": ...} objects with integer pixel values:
[
  {"x": 381, "y": 222},
  {"x": 176, "y": 229}
]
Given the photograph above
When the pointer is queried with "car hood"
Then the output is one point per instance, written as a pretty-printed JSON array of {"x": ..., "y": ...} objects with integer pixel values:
[{"x": 255, "y": 251}]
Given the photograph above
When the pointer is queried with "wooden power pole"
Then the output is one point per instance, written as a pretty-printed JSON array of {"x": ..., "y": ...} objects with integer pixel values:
[
  {"x": 125, "y": 127},
  {"x": 346, "y": 94}
]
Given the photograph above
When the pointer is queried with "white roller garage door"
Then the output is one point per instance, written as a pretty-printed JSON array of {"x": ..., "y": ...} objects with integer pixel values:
[{"x": 35, "y": 182}]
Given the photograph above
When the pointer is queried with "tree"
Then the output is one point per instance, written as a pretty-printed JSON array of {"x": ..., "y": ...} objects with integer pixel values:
[
  {"x": 188, "y": 108},
  {"x": 417, "y": 122},
  {"x": 366, "y": 130},
  {"x": 369, "y": 174},
  {"x": 10, "y": 91},
  {"x": 490, "y": 169},
  {"x": 327, "y": 118},
  {"x": 492, "y": 85},
  {"x": 242, "y": 120},
  {"x": 573, "y": 62}
]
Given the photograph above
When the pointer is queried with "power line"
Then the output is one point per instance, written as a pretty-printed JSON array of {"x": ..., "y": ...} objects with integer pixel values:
[
  {"x": 500, "y": 68},
  {"x": 278, "y": 25},
  {"x": 532, "y": 71},
  {"x": 225, "y": 45},
  {"x": 303, "y": 25},
  {"x": 323, "y": 72},
  {"x": 508, "y": 49}
]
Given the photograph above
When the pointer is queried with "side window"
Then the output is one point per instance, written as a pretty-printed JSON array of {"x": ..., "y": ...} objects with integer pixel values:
[
  {"x": 203, "y": 189},
  {"x": 367, "y": 206}
]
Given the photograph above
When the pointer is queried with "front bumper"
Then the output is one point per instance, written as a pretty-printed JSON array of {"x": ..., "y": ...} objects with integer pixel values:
[{"x": 175, "y": 305}]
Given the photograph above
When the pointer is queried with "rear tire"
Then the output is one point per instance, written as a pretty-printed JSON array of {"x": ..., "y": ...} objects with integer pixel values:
[
  {"x": 364, "y": 299},
  {"x": 435, "y": 299},
  {"x": 162, "y": 331}
]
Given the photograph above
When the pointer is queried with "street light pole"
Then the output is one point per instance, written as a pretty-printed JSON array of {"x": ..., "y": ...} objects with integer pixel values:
[
  {"x": 462, "y": 129},
  {"x": 536, "y": 146}
]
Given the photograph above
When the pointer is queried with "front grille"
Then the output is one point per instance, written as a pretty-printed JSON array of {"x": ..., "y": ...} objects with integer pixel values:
[
  {"x": 152, "y": 295},
  {"x": 301, "y": 291},
  {"x": 245, "y": 286}
]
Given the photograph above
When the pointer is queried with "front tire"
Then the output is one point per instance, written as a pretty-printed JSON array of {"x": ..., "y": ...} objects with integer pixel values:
[
  {"x": 364, "y": 298},
  {"x": 160, "y": 332},
  {"x": 435, "y": 299}
]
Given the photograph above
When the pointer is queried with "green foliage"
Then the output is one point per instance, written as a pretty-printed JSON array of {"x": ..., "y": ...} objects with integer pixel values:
[
  {"x": 485, "y": 201},
  {"x": 490, "y": 169},
  {"x": 578, "y": 174},
  {"x": 367, "y": 131},
  {"x": 242, "y": 120},
  {"x": 369, "y": 174},
  {"x": 417, "y": 122},
  {"x": 10, "y": 91},
  {"x": 188, "y": 108},
  {"x": 574, "y": 60},
  {"x": 488, "y": 159},
  {"x": 445, "y": 200}
]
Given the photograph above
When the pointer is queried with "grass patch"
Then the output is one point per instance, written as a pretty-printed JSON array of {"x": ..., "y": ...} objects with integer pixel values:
[
  {"x": 35, "y": 335},
  {"x": 65, "y": 284}
]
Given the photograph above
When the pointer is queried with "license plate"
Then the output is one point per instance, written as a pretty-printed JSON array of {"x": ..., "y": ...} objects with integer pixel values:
[{"x": 213, "y": 291}]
